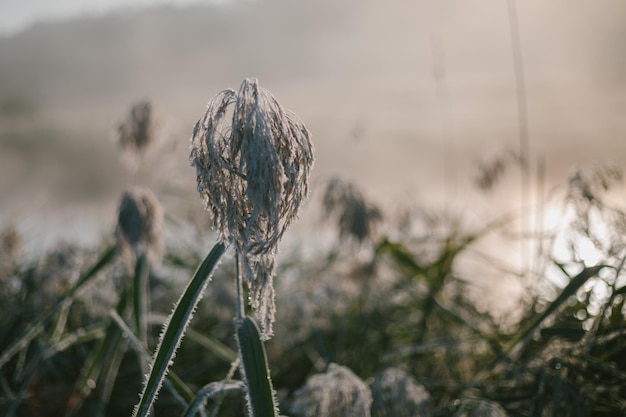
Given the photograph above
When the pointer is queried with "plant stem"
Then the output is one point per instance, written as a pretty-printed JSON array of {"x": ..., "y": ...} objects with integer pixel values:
[
  {"x": 240, "y": 312},
  {"x": 523, "y": 128}
]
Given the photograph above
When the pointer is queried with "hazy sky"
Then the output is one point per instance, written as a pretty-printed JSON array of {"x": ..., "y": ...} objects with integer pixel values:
[
  {"x": 18, "y": 14},
  {"x": 359, "y": 72}
]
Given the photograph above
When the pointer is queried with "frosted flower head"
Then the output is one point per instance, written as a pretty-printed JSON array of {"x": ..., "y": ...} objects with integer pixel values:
[
  {"x": 336, "y": 393},
  {"x": 139, "y": 224},
  {"x": 252, "y": 160}
]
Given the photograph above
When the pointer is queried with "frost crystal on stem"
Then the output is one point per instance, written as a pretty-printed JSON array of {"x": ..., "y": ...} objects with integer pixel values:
[{"x": 252, "y": 160}]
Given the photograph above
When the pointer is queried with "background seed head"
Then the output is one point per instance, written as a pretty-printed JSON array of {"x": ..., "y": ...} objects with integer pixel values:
[
  {"x": 336, "y": 393},
  {"x": 396, "y": 393},
  {"x": 140, "y": 224},
  {"x": 356, "y": 218},
  {"x": 136, "y": 133}
]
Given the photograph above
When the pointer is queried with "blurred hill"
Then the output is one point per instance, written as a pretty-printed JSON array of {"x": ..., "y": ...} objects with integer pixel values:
[{"x": 403, "y": 97}]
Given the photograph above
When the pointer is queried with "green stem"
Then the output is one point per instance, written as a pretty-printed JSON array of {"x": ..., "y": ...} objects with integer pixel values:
[{"x": 240, "y": 312}]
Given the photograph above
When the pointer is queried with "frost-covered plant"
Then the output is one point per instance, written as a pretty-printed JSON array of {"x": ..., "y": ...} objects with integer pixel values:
[
  {"x": 336, "y": 393},
  {"x": 395, "y": 393},
  {"x": 252, "y": 160}
]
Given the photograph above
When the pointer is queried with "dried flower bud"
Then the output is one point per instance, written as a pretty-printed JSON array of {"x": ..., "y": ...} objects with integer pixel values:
[
  {"x": 357, "y": 219},
  {"x": 139, "y": 224},
  {"x": 336, "y": 393},
  {"x": 252, "y": 160}
]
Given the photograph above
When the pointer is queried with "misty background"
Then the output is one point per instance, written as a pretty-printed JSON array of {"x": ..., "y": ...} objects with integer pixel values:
[{"x": 405, "y": 98}]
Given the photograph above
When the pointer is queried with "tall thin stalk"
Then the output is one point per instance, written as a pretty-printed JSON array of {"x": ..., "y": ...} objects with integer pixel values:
[{"x": 523, "y": 130}]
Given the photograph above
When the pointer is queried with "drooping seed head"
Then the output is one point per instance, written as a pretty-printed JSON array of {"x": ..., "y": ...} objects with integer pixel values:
[
  {"x": 139, "y": 224},
  {"x": 252, "y": 160}
]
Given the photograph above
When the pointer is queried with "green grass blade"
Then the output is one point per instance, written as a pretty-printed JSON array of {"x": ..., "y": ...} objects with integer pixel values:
[
  {"x": 79, "y": 336},
  {"x": 109, "y": 373},
  {"x": 177, "y": 387},
  {"x": 34, "y": 330},
  {"x": 141, "y": 298},
  {"x": 108, "y": 256},
  {"x": 515, "y": 347},
  {"x": 212, "y": 345},
  {"x": 209, "y": 391},
  {"x": 97, "y": 359},
  {"x": 254, "y": 364},
  {"x": 402, "y": 256},
  {"x": 175, "y": 329}
]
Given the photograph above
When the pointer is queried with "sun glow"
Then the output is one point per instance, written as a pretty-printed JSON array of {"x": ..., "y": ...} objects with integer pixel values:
[{"x": 569, "y": 245}]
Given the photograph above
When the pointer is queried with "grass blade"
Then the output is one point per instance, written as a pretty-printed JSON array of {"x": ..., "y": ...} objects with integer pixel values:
[
  {"x": 514, "y": 349},
  {"x": 33, "y": 331},
  {"x": 254, "y": 364},
  {"x": 141, "y": 298},
  {"x": 175, "y": 329},
  {"x": 177, "y": 387},
  {"x": 102, "y": 355},
  {"x": 517, "y": 345},
  {"x": 209, "y": 391},
  {"x": 212, "y": 345}
]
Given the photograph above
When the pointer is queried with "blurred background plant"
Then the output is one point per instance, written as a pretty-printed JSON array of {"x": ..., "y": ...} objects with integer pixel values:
[{"x": 136, "y": 133}]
